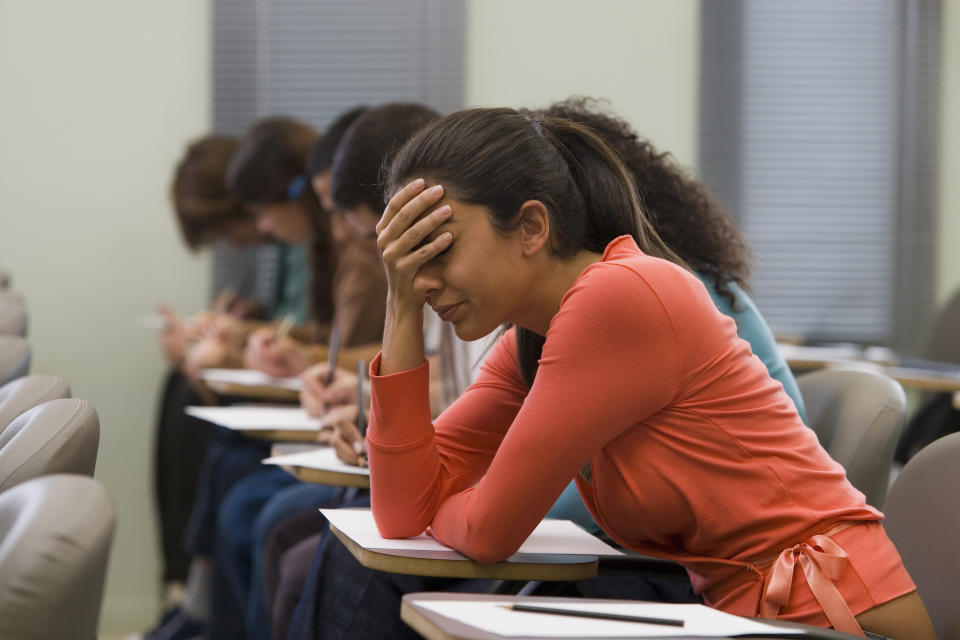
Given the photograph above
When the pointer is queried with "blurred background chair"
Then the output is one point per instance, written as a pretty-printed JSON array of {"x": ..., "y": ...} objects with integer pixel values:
[
  {"x": 55, "y": 535},
  {"x": 59, "y": 436},
  {"x": 858, "y": 417},
  {"x": 14, "y": 358},
  {"x": 27, "y": 392},
  {"x": 13, "y": 314},
  {"x": 923, "y": 520}
]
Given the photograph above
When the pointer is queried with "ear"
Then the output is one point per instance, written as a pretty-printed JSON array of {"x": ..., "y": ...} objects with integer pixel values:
[{"x": 534, "y": 227}]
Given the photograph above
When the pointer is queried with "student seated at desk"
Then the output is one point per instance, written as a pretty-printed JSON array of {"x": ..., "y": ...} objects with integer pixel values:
[
  {"x": 205, "y": 212},
  {"x": 267, "y": 175},
  {"x": 271, "y": 494},
  {"x": 620, "y": 373},
  {"x": 687, "y": 217}
]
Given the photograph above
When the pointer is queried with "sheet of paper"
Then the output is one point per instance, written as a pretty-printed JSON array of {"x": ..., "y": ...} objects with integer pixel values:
[
  {"x": 258, "y": 417},
  {"x": 490, "y": 616},
  {"x": 550, "y": 536},
  {"x": 249, "y": 378},
  {"x": 323, "y": 458}
]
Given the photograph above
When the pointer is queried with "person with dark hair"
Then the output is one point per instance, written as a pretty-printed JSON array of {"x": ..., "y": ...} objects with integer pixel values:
[
  {"x": 205, "y": 209},
  {"x": 619, "y": 372},
  {"x": 270, "y": 496},
  {"x": 693, "y": 223},
  {"x": 267, "y": 175},
  {"x": 206, "y": 212},
  {"x": 320, "y": 163}
]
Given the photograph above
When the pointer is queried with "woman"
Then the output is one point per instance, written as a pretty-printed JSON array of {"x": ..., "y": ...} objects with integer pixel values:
[{"x": 619, "y": 372}]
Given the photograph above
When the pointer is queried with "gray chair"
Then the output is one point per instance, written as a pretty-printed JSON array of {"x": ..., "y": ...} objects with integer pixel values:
[
  {"x": 59, "y": 436},
  {"x": 13, "y": 314},
  {"x": 26, "y": 393},
  {"x": 923, "y": 520},
  {"x": 55, "y": 535},
  {"x": 14, "y": 358},
  {"x": 858, "y": 417}
]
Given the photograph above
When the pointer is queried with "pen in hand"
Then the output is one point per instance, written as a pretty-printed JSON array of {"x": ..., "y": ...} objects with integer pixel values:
[
  {"x": 333, "y": 354},
  {"x": 579, "y": 613}
]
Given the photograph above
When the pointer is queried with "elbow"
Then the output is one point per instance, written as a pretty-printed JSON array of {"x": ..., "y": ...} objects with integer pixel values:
[
  {"x": 395, "y": 527},
  {"x": 489, "y": 553}
]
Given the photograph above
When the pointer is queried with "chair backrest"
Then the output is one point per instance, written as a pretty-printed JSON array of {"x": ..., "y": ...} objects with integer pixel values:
[
  {"x": 13, "y": 314},
  {"x": 923, "y": 520},
  {"x": 14, "y": 358},
  {"x": 55, "y": 535},
  {"x": 858, "y": 417},
  {"x": 26, "y": 393},
  {"x": 59, "y": 436}
]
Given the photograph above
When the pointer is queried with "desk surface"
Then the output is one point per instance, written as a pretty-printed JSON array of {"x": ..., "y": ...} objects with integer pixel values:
[
  {"x": 450, "y": 564},
  {"x": 253, "y": 392},
  {"x": 326, "y": 476},
  {"x": 280, "y": 435},
  {"x": 434, "y": 626}
]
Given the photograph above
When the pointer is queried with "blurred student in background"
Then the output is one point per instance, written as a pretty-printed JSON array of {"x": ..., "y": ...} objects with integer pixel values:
[
  {"x": 205, "y": 212},
  {"x": 271, "y": 495}
]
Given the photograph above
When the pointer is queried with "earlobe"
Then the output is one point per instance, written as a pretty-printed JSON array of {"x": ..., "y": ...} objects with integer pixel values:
[{"x": 534, "y": 226}]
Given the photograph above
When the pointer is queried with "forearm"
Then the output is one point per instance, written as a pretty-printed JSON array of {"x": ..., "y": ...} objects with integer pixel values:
[{"x": 402, "y": 339}]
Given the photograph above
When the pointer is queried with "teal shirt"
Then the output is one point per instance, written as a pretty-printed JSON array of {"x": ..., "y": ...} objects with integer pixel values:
[
  {"x": 751, "y": 327},
  {"x": 291, "y": 296}
]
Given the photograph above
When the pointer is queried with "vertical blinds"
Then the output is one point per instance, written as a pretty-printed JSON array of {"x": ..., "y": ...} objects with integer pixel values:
[
  {"x": 313, "y": 59},
  {"x": 807, "y": 144}
]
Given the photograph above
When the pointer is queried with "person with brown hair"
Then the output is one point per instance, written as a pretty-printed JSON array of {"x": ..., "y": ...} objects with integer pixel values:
[{"x": 619, "y": 372}]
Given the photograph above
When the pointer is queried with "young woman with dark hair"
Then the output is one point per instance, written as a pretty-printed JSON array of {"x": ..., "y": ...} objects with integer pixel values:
[{"x": 619, "y": 372}]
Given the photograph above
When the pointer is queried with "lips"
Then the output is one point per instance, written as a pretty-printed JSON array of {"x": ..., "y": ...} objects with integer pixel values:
[{"x": 447, "y": 312}]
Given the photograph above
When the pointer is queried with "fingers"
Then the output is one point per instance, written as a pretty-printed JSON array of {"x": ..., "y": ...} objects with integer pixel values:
[
  {"x": 399, "y": 199},
  {"x": 401, "y": 221},
  {"x": 345, "y": 452}
]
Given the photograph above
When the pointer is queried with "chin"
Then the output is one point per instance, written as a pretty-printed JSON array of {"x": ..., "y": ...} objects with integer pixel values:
[{"x": 469, "y": 332}]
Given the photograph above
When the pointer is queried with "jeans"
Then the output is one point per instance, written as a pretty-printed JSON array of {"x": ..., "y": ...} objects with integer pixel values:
[{"x": 247, "y": 515}]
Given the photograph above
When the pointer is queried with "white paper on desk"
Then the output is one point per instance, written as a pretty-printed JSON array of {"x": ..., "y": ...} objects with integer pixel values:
[
  {"x": 550, "y": 536},
  {"x": 249, "y": 378},
  {"x": 258, "y": 418},
  {"x": 323, "y": 458},
  {"x": 699, "y": 620}
]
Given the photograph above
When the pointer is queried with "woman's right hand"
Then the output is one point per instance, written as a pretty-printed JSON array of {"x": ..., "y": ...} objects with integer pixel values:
[
  {"x": 400, "y": 237},
  {"x": 316, "y": 396},
  {"x": 345, "y": 438}
]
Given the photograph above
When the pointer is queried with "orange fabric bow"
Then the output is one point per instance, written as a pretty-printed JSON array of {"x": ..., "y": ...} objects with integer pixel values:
[{"x": 822, "y": 561}]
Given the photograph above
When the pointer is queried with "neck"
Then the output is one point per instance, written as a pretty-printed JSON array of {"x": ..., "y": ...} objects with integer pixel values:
[{"x": 554, "y": 279}]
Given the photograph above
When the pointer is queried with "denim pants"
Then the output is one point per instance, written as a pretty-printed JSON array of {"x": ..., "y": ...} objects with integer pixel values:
[{"x": 247, "y": 515}]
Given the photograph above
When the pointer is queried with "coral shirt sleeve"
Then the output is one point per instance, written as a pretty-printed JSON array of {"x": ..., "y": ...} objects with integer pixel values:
[{"x": 610, "y": 360}]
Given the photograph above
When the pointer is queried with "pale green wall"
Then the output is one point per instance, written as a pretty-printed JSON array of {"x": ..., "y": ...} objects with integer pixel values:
[
  {"x": 99, "y": 98},
  {"x": 643, "y": 56},
  {"x": 948, "y": 231}
]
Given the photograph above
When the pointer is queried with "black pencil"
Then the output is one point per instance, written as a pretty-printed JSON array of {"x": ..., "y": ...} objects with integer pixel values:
[
  {"x": 333, "y": 354},
  {"x": 579, "y": 613},
  {"x": 361, "y": 398}
]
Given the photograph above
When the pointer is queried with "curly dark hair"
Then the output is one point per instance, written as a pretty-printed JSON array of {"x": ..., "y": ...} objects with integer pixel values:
[{"x": 688, "y": 218}]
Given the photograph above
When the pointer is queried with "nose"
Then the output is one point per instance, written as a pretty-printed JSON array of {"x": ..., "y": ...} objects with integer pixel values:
[{"x": 427, "y": 282}]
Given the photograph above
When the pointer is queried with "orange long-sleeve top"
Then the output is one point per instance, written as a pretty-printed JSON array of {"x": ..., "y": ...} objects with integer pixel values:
[{"x": 681, "y": 444}]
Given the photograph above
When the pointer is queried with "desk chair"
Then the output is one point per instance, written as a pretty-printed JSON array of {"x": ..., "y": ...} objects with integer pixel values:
[
  {"x": 858, "y": 417},
  {"x": 26, "y": 393},
  {"x": 13, "y": 314},
  {"x": 55, "y": 535},
  {"x": 59, "y": 436},
  {"x": 923, "y": 520},
  {"x": 14, "y": 358}
]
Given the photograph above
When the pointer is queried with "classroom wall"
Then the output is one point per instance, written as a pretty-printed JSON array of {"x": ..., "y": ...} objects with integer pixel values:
[
  {"x": 643, "y": 56},
  {"x": 948, "y": 233},
  {"x": 98, "y": 100}
]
